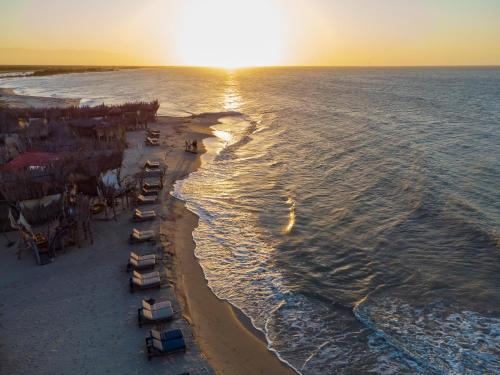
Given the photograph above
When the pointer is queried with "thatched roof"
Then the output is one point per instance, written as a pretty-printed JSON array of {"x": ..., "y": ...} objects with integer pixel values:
[{"x": 83, "y": 112}]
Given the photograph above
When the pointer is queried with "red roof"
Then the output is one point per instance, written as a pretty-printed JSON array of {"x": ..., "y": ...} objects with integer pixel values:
[{"x": 30, "y": 158}]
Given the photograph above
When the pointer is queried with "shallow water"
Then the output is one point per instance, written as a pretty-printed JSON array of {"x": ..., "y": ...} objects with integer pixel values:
[{"x": 352, "y": 214}]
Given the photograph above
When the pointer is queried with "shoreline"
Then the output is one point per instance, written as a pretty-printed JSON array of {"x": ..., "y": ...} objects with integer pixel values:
[
  {"x": 9, "y": 98},
  {"x": 208, "y": 314}
]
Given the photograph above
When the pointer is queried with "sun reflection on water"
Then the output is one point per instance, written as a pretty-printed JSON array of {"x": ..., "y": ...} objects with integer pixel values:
[
  {"x": 291, "y": 216},
  {"x": 232, "y": 98},
  {"x": 224, "y": 135}
]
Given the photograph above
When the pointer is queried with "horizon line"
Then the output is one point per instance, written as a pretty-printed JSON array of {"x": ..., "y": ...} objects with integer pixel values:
[{"x": 252, "y": 67}]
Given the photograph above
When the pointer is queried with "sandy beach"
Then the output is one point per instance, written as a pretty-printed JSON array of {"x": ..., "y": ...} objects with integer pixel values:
[
  {"x": 9, "y": 98},
  {"x": 76, "y": 314}
]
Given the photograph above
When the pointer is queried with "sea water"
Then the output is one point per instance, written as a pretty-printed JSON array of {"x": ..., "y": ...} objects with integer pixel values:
[{"x": 351, "y": 214}]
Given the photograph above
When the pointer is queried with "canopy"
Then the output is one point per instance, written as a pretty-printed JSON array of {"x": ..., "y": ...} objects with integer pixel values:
[{"x": 30, "y": 159}]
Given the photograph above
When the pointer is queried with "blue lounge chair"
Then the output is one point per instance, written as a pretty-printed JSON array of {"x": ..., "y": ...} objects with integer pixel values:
[{"x": 164, "y": 343}]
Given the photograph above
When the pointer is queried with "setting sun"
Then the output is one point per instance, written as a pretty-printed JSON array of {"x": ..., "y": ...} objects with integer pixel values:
[{"x": 229, "y": 34}]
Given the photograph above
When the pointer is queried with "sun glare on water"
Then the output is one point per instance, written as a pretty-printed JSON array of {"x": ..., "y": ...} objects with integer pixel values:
[{"x": 229, "y": 33}]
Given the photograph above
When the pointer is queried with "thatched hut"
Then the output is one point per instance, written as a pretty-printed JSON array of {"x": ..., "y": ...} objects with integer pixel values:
[{"x": 98, "y": 129}]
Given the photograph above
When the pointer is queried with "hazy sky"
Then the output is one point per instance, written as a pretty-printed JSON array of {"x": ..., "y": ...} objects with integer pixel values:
[{"x": 253, "y": 32}]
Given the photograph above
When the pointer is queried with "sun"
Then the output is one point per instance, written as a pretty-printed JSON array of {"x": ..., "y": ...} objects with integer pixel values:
[{"x": 229, "y": 33}]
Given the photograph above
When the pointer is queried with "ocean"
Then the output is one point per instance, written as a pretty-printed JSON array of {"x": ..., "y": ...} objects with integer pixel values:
[{"x": 352, "y": 214}]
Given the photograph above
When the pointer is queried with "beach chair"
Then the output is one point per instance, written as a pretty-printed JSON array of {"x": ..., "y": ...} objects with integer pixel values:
[
  {"x": 148, "y": 172},
  {"x": 141, "y": 199},
  {"x": 153, "y": 185},
  {"x": 143, "y": 215},
  {"x": 154, "y": 312},
  {"x": 153, "y": 133},
  {"x": 138, "y": 236},
  {"x": 141, "y": 262},
  {"x": 152, "y": 164},
  {"x": 147, "y": 192},
  {"x": 165, "y": 343},
  {"x": 97, "y": 208},
  {"x": 141, "y": 281},
  {"x": 152, "y": 141}
]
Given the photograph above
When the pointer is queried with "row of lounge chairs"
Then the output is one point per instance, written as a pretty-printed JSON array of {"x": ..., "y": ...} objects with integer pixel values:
[
  {"x": 150, "y": 190},
  {"x": 159, "y": 342}
]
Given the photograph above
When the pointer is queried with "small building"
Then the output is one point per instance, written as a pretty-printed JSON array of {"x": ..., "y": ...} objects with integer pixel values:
[{"x": 99, "y": 129}]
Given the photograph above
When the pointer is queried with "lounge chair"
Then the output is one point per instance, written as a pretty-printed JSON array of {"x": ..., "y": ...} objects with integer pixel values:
[
  {"x": 149, "y": 192},
  {"x": 153, "y": 185},
  {"x": 153, "y": 132},
  {"x": 141, "y": 199},
  {"x": 140, "y": 281},
  {"x": 164, "y": 343},
  {"x": 151, "y": 141},
  {"x": 140, "y": 262},
  {"x": 154, "y": 312},
  {"x": 143, "y": 215},
  {"x": 97, "y": 208},
  {"x": 148, "y": 172},
  {"x": 152, "y": 164},
  {"x": 138, "y": 236}
]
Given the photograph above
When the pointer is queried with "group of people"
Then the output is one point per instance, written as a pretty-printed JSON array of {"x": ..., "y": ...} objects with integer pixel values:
[{"x": 191, "y": 146}]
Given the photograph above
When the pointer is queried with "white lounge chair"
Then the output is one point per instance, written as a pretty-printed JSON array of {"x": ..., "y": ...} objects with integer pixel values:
[
  {"x": 140, "y": 262},
  {"x": 152, "y": 164},
  {"x": 148, "y": 192},
  {"x": 150, "y": 199},
  {"x": 154, "y": 312},
  {"x": 153, "y": 185},
  {"x": 140, "y": 281},
  {"x": 152, "y": 141},
  {"x": 140, "y": 215},
  {"x": 152, "y": 172},
  {"x": 141, "y": 235}
]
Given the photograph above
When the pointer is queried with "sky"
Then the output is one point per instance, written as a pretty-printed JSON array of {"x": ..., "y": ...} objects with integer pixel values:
[{"x": 233, "y": 33}]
